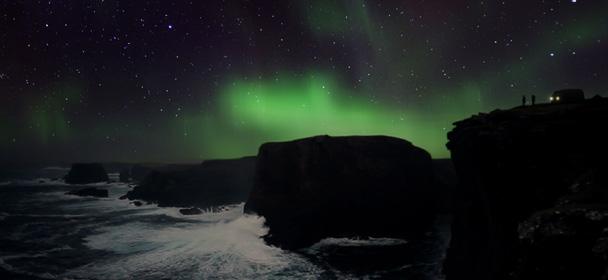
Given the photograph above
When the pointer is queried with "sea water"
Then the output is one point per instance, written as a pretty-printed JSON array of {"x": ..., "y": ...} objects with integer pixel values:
[{"x": 46, "y": 234}]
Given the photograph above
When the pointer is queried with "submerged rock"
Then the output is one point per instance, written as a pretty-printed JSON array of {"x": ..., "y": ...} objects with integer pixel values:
[
  {"x": 95, "y": 192},
  {"x": 86, "y": 173},
  {"x": 516, "y": 168},
  {"x": 356, "y": 186}
]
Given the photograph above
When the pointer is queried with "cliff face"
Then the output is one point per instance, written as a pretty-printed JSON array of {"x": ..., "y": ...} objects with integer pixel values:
[
  {"x": 516, "y": 167},
  {"x": 212, "y": 183},
  {"x": 323, "y": 186}
]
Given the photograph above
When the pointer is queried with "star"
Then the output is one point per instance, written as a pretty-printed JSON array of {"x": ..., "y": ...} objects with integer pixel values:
[{"x": 305, "y": 62}]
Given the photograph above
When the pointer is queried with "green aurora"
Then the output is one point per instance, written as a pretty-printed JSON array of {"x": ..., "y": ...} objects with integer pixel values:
[
  {"x": 250, "y": 113},
  {"x": 361, "y": 68}
]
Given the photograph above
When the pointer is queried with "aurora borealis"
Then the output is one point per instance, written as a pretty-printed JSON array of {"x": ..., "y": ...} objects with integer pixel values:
[{"x": 181, "y": 81}]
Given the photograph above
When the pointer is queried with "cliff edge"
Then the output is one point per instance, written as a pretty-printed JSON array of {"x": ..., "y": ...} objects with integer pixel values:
[{"x": 530, "y": 203}]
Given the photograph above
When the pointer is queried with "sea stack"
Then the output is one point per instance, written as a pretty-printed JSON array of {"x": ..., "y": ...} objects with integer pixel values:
[{"x": 357, "y": 186}]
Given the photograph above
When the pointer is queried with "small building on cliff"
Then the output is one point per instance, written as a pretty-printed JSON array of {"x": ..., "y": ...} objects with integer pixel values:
[{"x": 566, "y": 96}]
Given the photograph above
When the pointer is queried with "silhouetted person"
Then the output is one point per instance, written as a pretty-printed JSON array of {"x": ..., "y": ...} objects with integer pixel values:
[
  {"x": 533, "y": 99},
  {"x": 523, "y": 100}
]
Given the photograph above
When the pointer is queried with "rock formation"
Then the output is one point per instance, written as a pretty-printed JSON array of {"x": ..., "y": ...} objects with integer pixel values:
[
  {"x": 86, "y": 173},
  {"x": 569, "y": 240},
  {"x": 366, "y": 186},
  {"x": 190, "y": 211},
  {"x": 522, "y": 210},
  {"x": 212, "y": 183},
  {"x": 95, "y": 192}
]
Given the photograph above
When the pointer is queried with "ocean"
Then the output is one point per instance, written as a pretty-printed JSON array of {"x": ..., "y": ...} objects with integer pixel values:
[{"x": 46, "y": 234}]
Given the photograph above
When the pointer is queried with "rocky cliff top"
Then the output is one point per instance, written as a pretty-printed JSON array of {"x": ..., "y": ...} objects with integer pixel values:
[{"x": 512, "y": 165}]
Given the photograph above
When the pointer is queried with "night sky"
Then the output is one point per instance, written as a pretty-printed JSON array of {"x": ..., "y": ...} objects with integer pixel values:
[{"x": 177, "y": 81}]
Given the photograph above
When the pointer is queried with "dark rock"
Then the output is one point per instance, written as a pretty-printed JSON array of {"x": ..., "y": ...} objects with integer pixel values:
[
  {"x": 571, "y": 236},
  {"x": 359, "y": 260},
  {"x": 86, "y": 173},
  {"x": 190, "y": 211},
  {"x": 212, "y": 183},
  {"x": 90, "y": 192},
  {"x": 446, "y": 182},
  {"x": 137, "y": 172},
  {"x": 125, "y": 175},
  {"x": 137, "y": 203},
  {"x": 123, "y": 197},
  {"x": 372, "y": 186},
  {"x": 514, "y": 168}
]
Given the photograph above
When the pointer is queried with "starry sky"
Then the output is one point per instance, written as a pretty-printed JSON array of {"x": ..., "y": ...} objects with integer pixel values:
[{"x": 183, "y": 81}]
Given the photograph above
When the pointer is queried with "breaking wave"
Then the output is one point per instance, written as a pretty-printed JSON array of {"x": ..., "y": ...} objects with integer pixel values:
[{"x": 219, "y": 245}]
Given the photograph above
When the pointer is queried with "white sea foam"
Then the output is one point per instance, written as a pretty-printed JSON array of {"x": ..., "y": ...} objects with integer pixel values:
[
  {"x": 228, "y": 213},
  {"x": 353, "y": 242},
  {"x": 114, "y": 176},
  {"x": 56, "y": 168},
  {"x": 148, "y": 242},
  {"x": 50, "y": 215},
  {"x": 35, "y": 182},
  {"x": 228, "y": 247},
  {"x": 57, "y": 182}
]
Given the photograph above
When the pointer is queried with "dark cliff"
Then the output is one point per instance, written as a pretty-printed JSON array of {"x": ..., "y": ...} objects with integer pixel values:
[
  {"x": 526, "y": 206},
  {"x": 212, "y": 183},
  {"x": 355, "y": 186}
]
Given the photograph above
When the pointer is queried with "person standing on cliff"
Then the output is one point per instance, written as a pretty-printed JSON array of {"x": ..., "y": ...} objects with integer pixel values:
[
  {"x": 523, "y": 100},
  {"x": 533, "y": 99}
]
